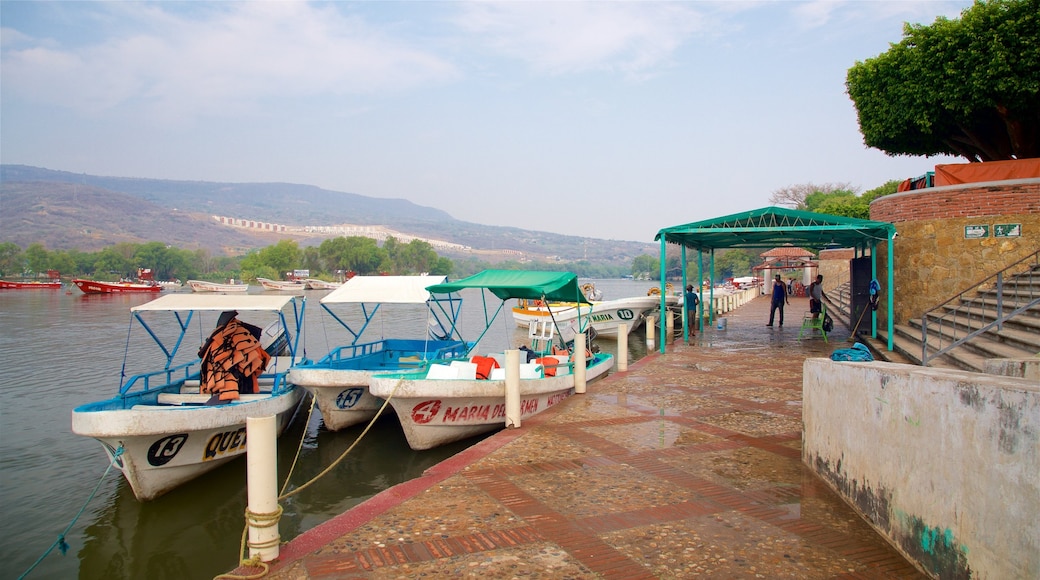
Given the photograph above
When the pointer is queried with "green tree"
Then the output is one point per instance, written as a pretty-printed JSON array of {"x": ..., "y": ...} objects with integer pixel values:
[
  {"x": 11, "y": 258},
  {"x": 37, "y": 258},
  {"x": 113, "y": 262},
  {"x": 644, "y": 265},
  {"x": 732, "y": 263},
  {"x": 797, "y": 196},
  {"x": 355, "y": 253},
  {"x": 966, "y": 87}
]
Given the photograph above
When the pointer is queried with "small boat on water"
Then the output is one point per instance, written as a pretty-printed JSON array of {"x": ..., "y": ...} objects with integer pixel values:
[
  {"x": 448, "y": 402},
  {"x": 171, "y": 424},
  {"x": 53, "y": 282},
  {"x": 603, "y": 316},
  {"x": 282, "y": 285},
  {"x": 99, "y": 287},
  {"x": 29, "y": 285},
  {"x": 339, "y": 381},
  {"x": 204, "y": 286},
  {"x": 316, "y": 284},
  {"x": 145, "y": 282}
]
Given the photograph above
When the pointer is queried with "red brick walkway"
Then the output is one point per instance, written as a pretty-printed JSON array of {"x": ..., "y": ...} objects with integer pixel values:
[{"x": 687, "y": 465}]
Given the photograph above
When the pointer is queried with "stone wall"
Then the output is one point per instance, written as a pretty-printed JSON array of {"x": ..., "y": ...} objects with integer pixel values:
[
  {"x": 934, "y": 258},
  {"x": 834, "y": 265},
  {"x": 943, "y": 463}
]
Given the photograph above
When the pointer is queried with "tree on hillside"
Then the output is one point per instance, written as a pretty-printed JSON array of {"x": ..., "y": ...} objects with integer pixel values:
[
  {"x": 794, "y": 196},
  {"x": 967, "y": 87}
]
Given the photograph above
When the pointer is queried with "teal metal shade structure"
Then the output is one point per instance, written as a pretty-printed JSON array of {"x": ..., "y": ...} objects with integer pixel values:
[{"x": 774, "y": 226}]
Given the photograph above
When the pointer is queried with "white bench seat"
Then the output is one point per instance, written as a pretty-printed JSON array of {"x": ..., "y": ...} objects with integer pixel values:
[{"x": 201, "y": 398}]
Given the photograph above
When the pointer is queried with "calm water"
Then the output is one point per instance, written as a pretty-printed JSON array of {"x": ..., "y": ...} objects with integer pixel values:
[{"x": 60, "y": 349}]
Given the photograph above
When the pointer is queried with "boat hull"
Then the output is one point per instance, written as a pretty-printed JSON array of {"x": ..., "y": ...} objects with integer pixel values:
[
  {"x": 165, "y": 446},
  {"x": 604, "y": 316},
  {"x": 203, "y": 286},
  {"x": 434, "y": 412},
  {"x": 339, "y": 383},
  {"x": 95, "y": 287},
  {"x": 8, "y": 285},
  {"x": 278, "y": 285}
]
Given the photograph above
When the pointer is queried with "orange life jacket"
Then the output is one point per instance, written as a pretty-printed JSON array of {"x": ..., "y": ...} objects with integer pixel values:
[
  {"x": 484, "y": 366},
  {"x": 232, "y": 360}
]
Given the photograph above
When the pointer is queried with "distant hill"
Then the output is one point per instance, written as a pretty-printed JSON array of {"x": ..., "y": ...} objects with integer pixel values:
[{"x": 70, "y": 210}]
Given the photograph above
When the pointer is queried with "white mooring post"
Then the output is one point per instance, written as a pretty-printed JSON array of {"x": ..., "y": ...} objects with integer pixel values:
[
  {"x": 622, "y": 347},
  {"x": 512, "y": 388},
  {"x": 669, "y": 328},
  {"x": 262, "y": 483},
  {"x": 579, "y": 362},
  {"x": 650, "y": 333}
]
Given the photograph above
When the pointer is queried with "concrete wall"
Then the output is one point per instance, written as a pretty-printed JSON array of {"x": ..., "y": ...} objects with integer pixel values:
[
  {"x": 946, "y": 464},
  {"x": 834, "y": 265},
  {"x": 934, "y": 260}
]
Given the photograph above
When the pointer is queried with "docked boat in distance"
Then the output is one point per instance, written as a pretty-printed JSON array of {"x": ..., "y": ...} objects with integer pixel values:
[
  {"x": 449, "y": 402},
  {"x": 204, "y": 286},
  {"x": 98, "y": 287},
  {"x": 159, "y": 429},
  {"x": 281, "y": 285},
  {"x": 603, "y": 316},
  {"x": 29, "y": 285},
  {"x": 316, "y": 284},
  {"x": 339, "y": 381}
]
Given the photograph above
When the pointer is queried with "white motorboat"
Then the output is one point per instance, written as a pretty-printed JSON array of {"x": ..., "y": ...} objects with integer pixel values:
[
  {"x": 316, "y": 284},
  {"x": 204, "y": 286},
  {"x": 603, "y": 316},
  {"x": 339, "y": 381},
  {"x": 282, "y": 285},
  {"x": 449, "y": 402},
  {"x": 159, "y": 429}
]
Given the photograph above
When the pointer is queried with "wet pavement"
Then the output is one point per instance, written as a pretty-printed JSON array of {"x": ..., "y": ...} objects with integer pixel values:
[{"x": 686, "y": 465}]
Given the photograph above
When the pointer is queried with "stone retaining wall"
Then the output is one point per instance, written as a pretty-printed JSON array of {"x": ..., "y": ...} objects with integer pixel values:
[
  {"x": 943, "y": 463},
  {"x": 934, "y": 258}
]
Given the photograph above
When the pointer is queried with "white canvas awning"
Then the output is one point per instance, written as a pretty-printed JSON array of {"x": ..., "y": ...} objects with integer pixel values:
[
  {"x": 216, "y": 302},
  {"x": 383, "y": 290}
]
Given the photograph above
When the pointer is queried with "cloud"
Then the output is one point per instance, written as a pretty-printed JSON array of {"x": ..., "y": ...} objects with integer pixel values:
[
  {"x": 567, "y": 37},
  {"x": 223, "y": 58}
]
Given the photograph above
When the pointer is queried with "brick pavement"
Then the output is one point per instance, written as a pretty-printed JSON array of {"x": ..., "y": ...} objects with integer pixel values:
[{"x": 687, "y": 465}]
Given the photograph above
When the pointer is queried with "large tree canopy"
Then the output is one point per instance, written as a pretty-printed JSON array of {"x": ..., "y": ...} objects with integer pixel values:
[{"x": 967, "y": 87}]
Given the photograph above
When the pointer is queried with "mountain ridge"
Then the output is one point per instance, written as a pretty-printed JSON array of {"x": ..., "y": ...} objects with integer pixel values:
[{"x": 66, "y": 210}]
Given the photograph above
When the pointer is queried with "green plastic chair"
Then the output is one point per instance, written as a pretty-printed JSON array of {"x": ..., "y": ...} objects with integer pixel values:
[{"x": 809, "y": 323}]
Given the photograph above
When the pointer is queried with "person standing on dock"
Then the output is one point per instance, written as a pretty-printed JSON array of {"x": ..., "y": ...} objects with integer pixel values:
[
  {"x": 691, "y": 301},
  {"x": 780, "y": 298}
]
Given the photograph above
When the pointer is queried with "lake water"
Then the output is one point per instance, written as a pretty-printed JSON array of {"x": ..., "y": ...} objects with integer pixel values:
[{"x": 61, "y": 348}]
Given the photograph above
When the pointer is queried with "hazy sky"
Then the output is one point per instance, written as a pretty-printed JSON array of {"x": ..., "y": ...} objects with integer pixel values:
[{"x": 601, "y": 119}]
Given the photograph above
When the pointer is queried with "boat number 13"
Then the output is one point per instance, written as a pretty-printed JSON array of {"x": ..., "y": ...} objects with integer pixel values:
[{"x": 163, "y": 450}]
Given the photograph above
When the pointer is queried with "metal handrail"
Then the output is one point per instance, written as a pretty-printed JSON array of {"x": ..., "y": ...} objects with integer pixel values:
[{"x": 955, "y": 319}]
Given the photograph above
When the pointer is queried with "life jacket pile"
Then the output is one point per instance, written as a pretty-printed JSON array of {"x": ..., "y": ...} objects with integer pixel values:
[{"x": 232, "y": 360}]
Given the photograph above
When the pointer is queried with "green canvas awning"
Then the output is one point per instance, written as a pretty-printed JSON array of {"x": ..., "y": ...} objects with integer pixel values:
[
  {"x": 531, "y": 285},
  {"x": 774, "y": 226}
]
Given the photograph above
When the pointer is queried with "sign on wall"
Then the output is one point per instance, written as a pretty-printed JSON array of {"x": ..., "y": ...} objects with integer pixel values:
[
  {"x": 975, "y": 232},
  {"x": 1007, "y": 230}
]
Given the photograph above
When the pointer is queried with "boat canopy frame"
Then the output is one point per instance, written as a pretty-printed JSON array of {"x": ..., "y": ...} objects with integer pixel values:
[
  {"x": 517, "y": 284},
  {"x": 372, "y": 292},
  {"x": 774, "y": 226},
  {"x": 184, "y": 306}
]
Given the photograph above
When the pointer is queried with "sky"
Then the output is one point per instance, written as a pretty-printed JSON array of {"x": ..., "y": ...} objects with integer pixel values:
[{"x": 607, "y": 120}]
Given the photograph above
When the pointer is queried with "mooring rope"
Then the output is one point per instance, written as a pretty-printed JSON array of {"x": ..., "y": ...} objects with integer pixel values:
[
  {"x": 60, "y": 543},
  {"x": 272, "y": 519}
]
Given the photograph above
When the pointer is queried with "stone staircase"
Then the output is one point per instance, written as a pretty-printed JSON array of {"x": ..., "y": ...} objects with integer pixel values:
[{"x": 1018, "y": 336}]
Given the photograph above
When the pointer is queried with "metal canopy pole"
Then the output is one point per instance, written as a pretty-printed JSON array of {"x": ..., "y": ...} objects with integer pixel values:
[
  {"x": 700, "y": 290},
  {"x": 664, "y": 266},
  {"x": 685, "y": 306},
  {"x": 891, "y": 284}
]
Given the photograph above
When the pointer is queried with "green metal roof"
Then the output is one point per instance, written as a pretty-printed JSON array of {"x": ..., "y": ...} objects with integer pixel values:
[
  {"x": 532, "y": 285},
  {"x": 774, "y": 226}
]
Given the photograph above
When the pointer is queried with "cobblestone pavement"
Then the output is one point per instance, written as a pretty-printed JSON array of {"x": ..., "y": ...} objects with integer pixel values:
[{"x": 686, "y": 465}]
